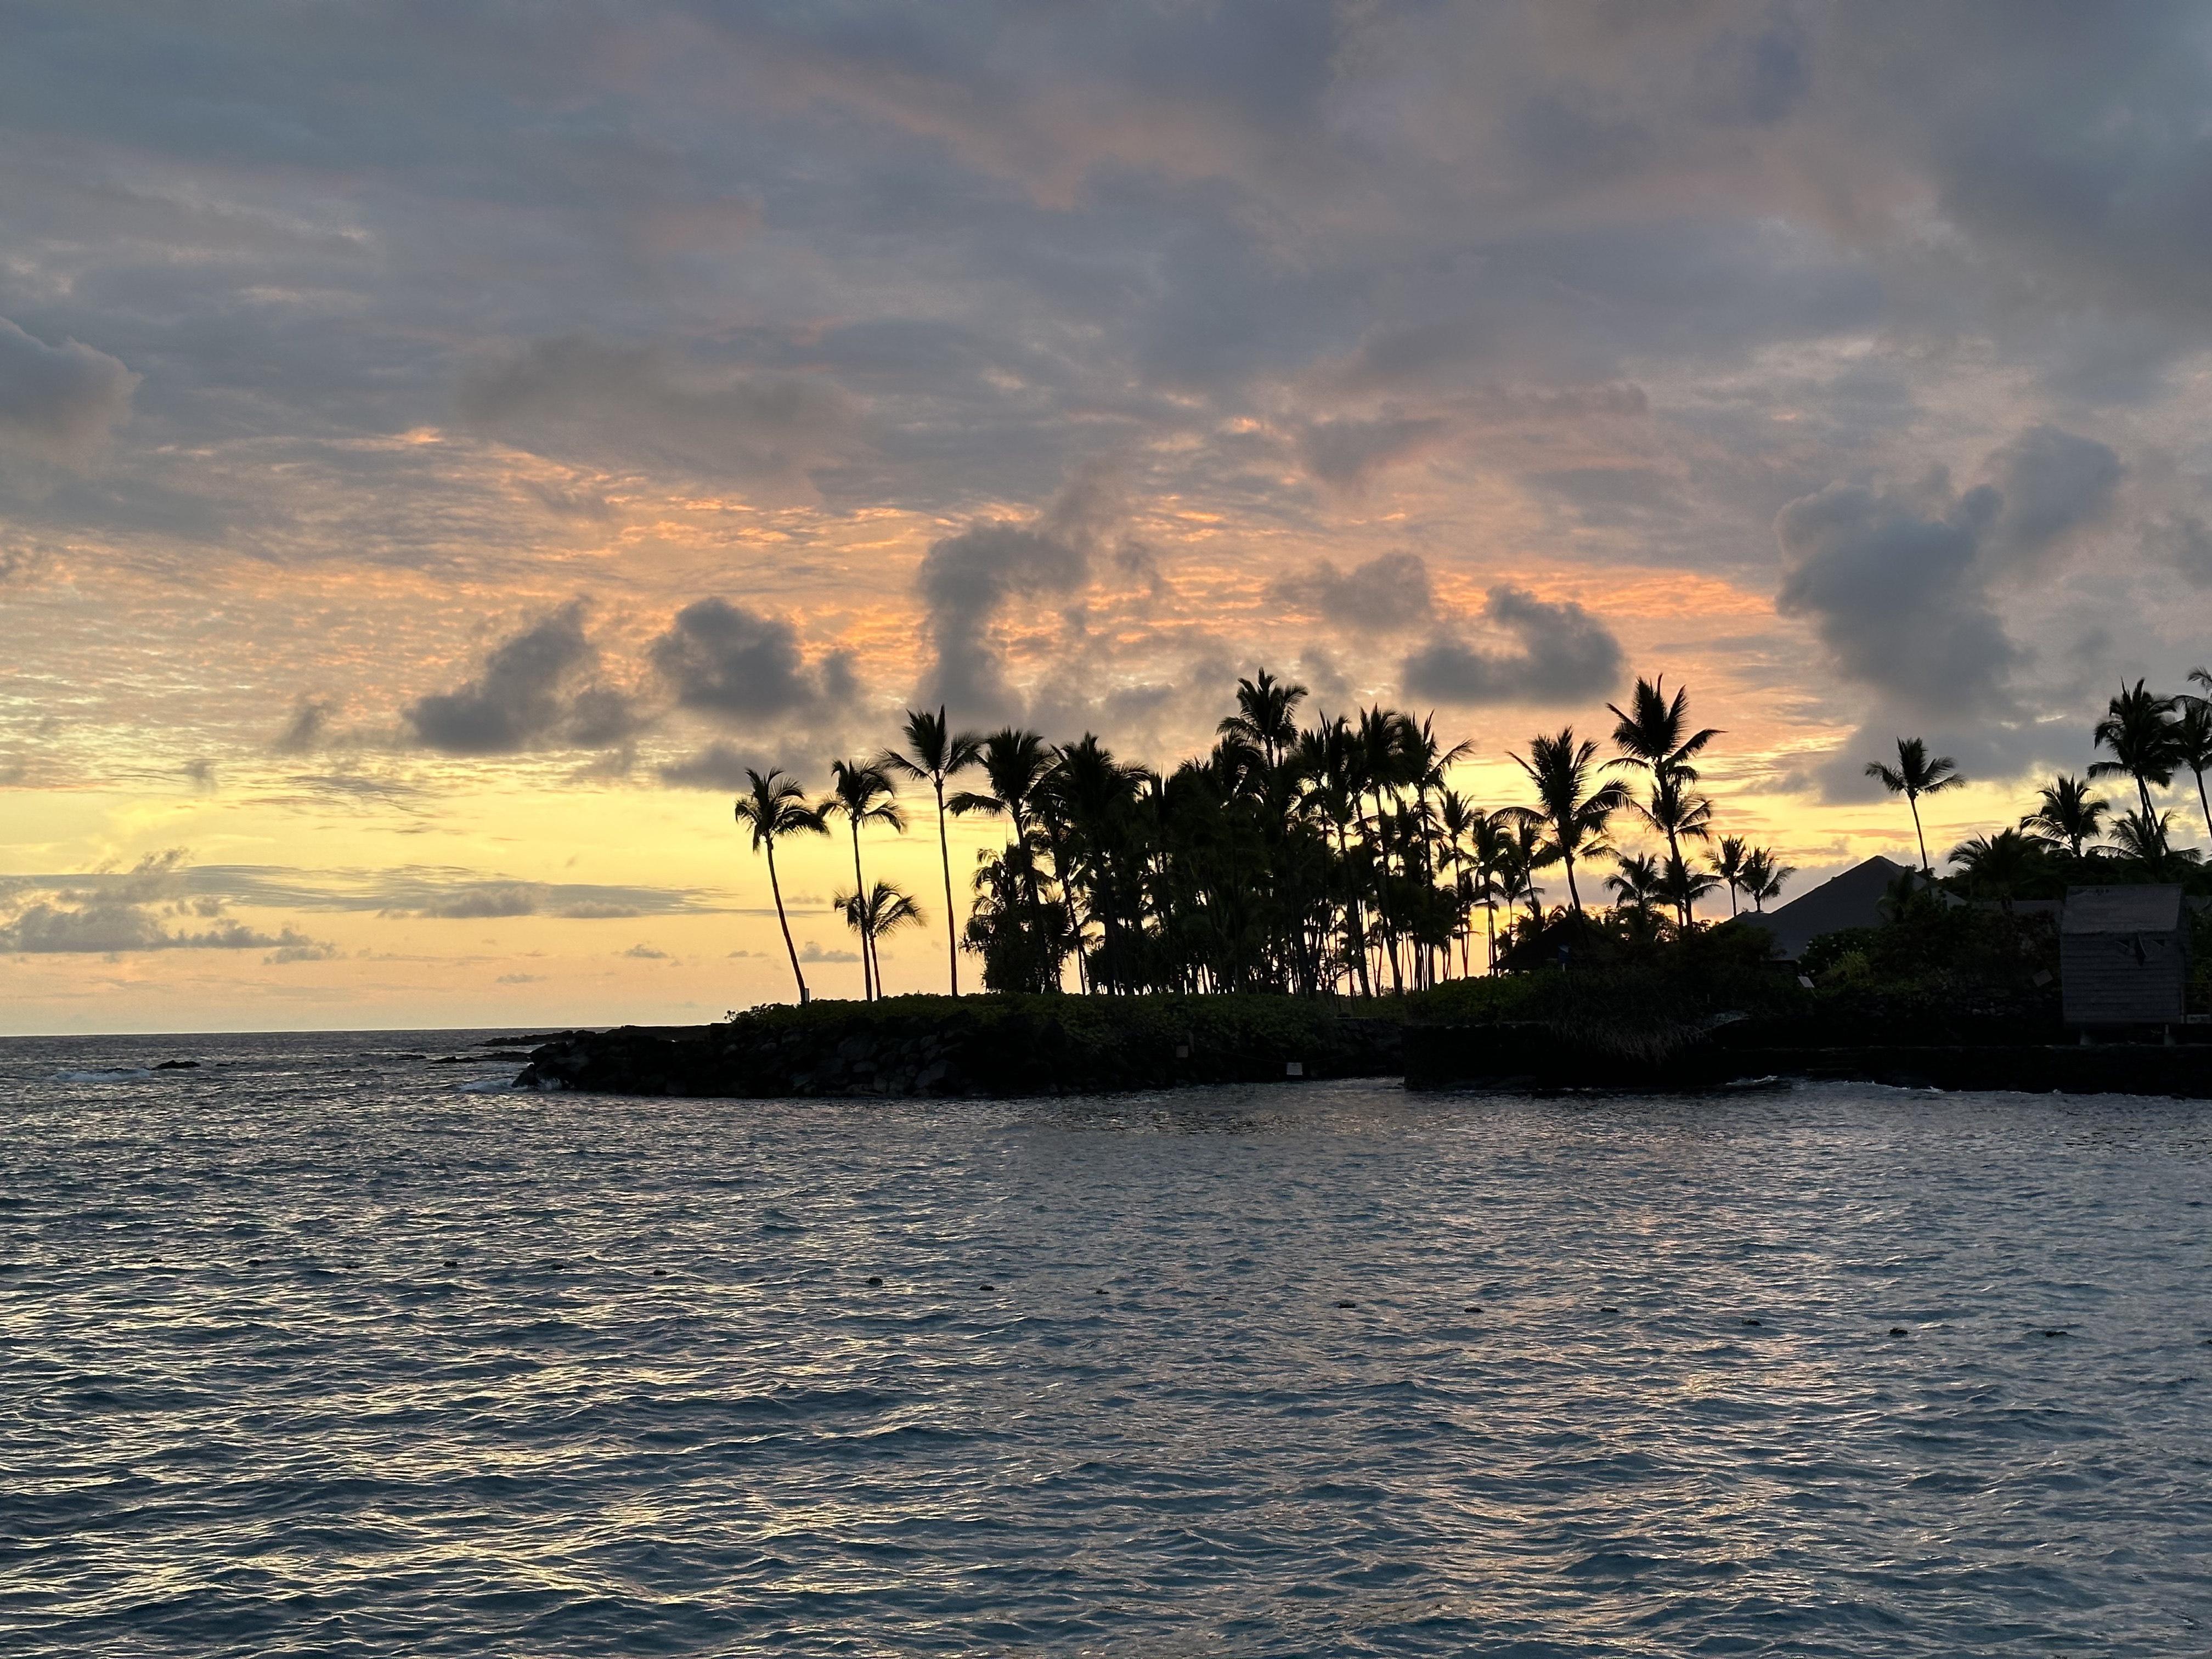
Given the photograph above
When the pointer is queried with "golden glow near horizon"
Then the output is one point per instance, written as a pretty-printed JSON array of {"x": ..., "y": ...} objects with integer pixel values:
[{"x": 1061, "y": 389}]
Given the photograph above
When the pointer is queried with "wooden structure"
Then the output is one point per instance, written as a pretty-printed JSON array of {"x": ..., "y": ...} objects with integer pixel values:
[{"x": 2124, "y": 956}]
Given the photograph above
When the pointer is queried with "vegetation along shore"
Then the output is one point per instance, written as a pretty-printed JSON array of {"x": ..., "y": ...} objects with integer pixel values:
[{"x": 1316, "y": 899}]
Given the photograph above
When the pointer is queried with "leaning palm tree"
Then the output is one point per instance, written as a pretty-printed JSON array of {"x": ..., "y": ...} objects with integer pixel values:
[
  {"x": 2192, "y": 747},
  {"x": 2067, "y": 815},
  {"x": 882, "y": 909},
  {"x": 934, "y": 752},
  {"x": 863, "y": 794},
  {"x": 2144, "y": 837},
  {"x": 2138, "y": 728},
  {"x": 1560, "y": 768},
  {"x": 775, "y": 806},
  {"x": 1914, "y": 775},
  {"x": 1727, "y": 864}
]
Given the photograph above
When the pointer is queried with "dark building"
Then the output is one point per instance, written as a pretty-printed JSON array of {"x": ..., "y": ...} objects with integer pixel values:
[{"x": 2124, "y": 956}]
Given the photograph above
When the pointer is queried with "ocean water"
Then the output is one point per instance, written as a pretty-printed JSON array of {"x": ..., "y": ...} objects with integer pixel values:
[{"x": 312, "y": 1350}]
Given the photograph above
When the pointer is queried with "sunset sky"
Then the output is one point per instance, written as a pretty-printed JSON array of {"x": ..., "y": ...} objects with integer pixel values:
[{"x": 441, "y": 445}]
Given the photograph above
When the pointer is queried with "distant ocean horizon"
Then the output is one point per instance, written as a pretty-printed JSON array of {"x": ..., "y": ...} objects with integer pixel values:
[{"x": 332, "y": 1343}]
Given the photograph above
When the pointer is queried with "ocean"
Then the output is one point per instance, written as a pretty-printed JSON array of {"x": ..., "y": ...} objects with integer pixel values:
[{"x": 332, "y": 1345}]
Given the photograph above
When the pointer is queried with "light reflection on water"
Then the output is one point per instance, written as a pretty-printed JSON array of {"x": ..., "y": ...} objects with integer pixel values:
[{"x": 655, "y": 1406}]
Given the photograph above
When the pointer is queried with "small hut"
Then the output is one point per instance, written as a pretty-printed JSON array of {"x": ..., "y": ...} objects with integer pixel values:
[{"x": 2124, "y": 956}]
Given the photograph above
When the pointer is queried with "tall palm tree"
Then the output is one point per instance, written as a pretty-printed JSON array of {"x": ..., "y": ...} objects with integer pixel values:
[
  {"x": 1457, "y": 820},
  {"x": 1653, "y": 735},
  {"x": 1266, "y": 716},
  {"x": 2067, "y": 815},
  {"x": 882, "y": 909},
  {"x": 863, "y": 794},
  {"x": 2192, "y": 747},
  {"x": 1489, "y": 853},
  {"x": 1727, "y": 864},
  {"x": 772, "y": 807},
  {"x": 1560, "y": 768},
  {"x": 1914, "y": 775},
  {"x": 2138, "y": 728},
  {"x": 933, "y": 753}
]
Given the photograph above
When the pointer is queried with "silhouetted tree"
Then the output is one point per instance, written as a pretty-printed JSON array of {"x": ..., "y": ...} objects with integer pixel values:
[
  {"x": 772, "y": 807},
  {"x": 1914, "y": 775},
  {"x": 934, "y": 753}
]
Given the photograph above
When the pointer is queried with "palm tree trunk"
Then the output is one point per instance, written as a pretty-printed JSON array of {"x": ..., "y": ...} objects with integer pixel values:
[
  {"x": 944, "y": 853},
  {"x": 1574, "y": 894},
  {"x": 860, "y": 896},
  {"x": 2206, "y": 806},
  {"x": 1920, "y": 835},
  {"x": 776, "y": 888}
]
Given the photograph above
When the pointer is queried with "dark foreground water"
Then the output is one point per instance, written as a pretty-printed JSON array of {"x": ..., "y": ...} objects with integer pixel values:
[{"x": 310, "y": 1352}]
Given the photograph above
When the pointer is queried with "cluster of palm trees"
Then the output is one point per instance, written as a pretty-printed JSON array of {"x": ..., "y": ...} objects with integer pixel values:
[
  {"x": 1328, "y": 858},
  {"x": 2074, "y": 835}
]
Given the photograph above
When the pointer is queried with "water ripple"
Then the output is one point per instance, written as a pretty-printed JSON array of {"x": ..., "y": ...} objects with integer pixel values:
[{"x": 310, "y": 1350}]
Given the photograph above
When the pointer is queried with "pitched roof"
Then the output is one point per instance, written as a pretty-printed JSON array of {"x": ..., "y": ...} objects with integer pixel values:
[{"x": 2122, "y": 910}]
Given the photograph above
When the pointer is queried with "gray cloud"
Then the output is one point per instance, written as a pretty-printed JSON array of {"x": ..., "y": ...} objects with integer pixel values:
[
  {"x": 2054, "y": 484},
  {"x": 1347, "y": 452},
  {"x": 1389, "y": 591},
  {"x": 2184, "y": 541},
  {"x": 719, "y": 765},
  {"x": 967, "y": 581},
  {"x": 1898, "y": 583},
  {"x": 1895, "y": 593},
  {"x": 59, "y": 402},
  {"x": 576, "y": 395},
  {"x": 150, "y": 907},
  {"x": 1557, "y": 653},
  {"x": 723, "y": 659},
  {"x": 531, "y": 693}
]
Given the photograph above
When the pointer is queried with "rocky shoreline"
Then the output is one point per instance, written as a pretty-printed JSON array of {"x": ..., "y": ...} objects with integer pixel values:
[{"x": 977, "y": 1046}]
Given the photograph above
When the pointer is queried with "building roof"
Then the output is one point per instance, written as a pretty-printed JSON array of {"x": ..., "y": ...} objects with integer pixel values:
[
  {"x": 2122, "y": 910},
  {"x": 1849, "y": 899}
]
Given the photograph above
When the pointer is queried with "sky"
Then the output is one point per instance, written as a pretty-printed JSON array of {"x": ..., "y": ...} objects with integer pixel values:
[{"x": 441, "y": 445}]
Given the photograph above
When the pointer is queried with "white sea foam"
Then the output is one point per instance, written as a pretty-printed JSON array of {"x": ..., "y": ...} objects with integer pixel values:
[{"x": 488, "y": 1085}]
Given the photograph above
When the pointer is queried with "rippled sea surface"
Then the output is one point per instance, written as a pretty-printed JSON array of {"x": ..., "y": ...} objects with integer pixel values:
[{"x": 312, "y": 1351}]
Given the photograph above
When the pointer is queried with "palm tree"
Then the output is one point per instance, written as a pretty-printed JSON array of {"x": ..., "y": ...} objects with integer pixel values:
[
  {"x": 1266, "y": 716},
  {"x": 2192, "y": 747},
  {"x": 864, "y": 795},
  {"x": 1637, "y": 880},
  {"x": 1998, "y": 866},
  {"x": 1682, "y": 887},
  {"x": 2138, "y": 729},
  {"x": 1914, "y": 775},
  {"x": 933, "y": 753},
  {"x": 1727, "y": 864},
  {"x": 882, "y": 909},
  {"x": 2067, "y": 815},
  {"x": 775, "y": 806},
  {"x": 2142, "y": 837},
  {"x": 1764, "y": 877},
  {"x": 1560, "y": 769},
  {"x": 1653, "y": 735}
]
